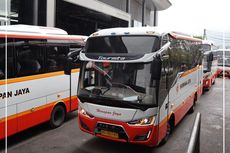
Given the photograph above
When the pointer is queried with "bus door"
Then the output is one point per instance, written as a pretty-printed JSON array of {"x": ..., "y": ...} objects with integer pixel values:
[
  {"x": 74, "y": 52},
  {"x": 163, "y": 99}
]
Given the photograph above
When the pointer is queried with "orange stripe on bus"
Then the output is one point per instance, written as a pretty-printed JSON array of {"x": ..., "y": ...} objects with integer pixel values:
[
  {"x": 175, "y": 110},
  {"x": 34, "y": 77},
  {"x": 189, "y": 72},
  {"x": 35, "y": 109}
]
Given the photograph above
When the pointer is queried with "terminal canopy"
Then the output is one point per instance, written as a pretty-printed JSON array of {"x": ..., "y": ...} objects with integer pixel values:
[{"x": 158, "y": 5}]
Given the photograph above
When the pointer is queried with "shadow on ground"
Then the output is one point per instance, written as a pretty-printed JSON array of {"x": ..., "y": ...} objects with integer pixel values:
[{"x": 31, "y": 132}]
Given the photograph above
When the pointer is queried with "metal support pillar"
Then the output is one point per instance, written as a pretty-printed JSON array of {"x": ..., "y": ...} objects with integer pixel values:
[
  {"x": 127, "y": 6},
  {"x": 143, "y": 12},
  {"x": 155, "y": 18},
  {"x": 51, "y": 13},
  {"x": 35, "y": 12}
]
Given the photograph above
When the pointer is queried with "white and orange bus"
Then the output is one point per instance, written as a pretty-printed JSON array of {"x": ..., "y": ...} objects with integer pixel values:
[
  {"x": 209, "y": 64},
  {"x": 208, "y": 45},
  {"x": 33, "y": 86},
  {"x": 223, "y": 57},
  {"x": 136, "y": 84},
  {"x": 210, "y": 69}
]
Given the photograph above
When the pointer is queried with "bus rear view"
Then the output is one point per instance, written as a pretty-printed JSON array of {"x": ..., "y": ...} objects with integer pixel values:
[{"x": 123, "y": 90}]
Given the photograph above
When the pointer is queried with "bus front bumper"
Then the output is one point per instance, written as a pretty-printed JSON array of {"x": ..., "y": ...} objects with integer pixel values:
[{"x": 119, "y": 131}]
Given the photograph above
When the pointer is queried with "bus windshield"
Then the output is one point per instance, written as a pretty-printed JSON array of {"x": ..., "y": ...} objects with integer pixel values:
[
  {"x": 129, "y": 82},
  {"x": 122, "y": 44},
  {"x": 220, "y": 54},
  {"x": 205, "y": 47},
  {"x": 221, "y": 63}
]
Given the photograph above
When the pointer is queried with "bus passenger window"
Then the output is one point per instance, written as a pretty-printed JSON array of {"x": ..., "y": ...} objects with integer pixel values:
[
  {"x": 30, "y": 57},
  {"x": 56, "y": 56},
  {"x": 10, "y": 60},
  {"x": 2, "y": 59}
]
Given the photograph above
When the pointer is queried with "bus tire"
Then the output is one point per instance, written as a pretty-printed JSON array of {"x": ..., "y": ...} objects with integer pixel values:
[
  {"x": 170, "y": 127},
  {"x": 192, "y": 109},
  {"x": 213, "y": 82},
  {"x": 57, "y": 116}
]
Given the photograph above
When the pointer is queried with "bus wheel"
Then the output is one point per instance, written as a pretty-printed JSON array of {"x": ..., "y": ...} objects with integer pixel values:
[
  {"x": 214, "y": 82},
  {"x": 58, "y": 116},
  {"x": 192, "y": 109},
  {"x": 168, "y": 132}
]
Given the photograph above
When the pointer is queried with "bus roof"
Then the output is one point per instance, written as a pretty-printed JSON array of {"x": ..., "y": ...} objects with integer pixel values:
[
  {"x": 154, "y": 31},
  {"x": 208, "y": 42},
  {"x": 221, "y": 50},
  {"x": 37, "y": 32},
  {"x": 20, "y": 28}
]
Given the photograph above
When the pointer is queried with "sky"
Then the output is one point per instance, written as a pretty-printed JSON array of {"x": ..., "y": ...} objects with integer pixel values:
[{"x": 193, "y": 16}]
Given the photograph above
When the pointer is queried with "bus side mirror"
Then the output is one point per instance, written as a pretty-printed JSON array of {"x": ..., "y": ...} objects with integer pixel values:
[
  {"x": 210, "y": 57},
  {"x": 68, "y": 66}
]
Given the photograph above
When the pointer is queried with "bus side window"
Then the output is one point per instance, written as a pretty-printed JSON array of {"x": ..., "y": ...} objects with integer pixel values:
[
  {"x": 164, "y": 40},
  {"x": 30, "y": 57},
  {"x": 179, "y": 55},
  {"x": 2, "y": 58},
  {"x": 163, "y": 91},
  {"x": 177, "y": 61},
  {"x": 56, "y": 53},
  {"x": 10, "y": 59}
]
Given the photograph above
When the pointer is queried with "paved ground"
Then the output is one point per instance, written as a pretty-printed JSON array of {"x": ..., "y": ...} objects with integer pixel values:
[
  {"x": 227, "y": 116},
  {"x": 69, "y": 139}
]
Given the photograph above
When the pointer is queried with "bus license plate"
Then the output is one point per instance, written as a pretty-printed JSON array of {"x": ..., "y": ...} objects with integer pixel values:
[{"x": 109, "y": 134}]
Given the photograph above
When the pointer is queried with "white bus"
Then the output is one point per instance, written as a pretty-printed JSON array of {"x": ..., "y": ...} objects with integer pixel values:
[
  {"x": 223, "y": 57},
  {"x": 208, "y": 45},
  {"x": 209, "y": 64},
  {"x": 136, "y": 84},
  {"x": 33, "y": 86},
  {"x": 210, "y": 68}
]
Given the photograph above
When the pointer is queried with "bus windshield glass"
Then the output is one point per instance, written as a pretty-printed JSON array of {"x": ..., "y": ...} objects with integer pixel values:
[
  {"x": 122, "y": 44},
  {"x": 129, "y": 82},
  {"x": 221, "y": 63},
  {"x": 220, "y": 54},
  {"x": 205, "y": 47}
]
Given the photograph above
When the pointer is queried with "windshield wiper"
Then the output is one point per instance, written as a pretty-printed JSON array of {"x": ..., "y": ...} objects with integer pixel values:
[
  {"x": 101, "y": 71},
  {"x": 139, "y": 98},
  {"x": 108, "y": 78},
  {"x": 111, "y": 102},
  {"x": 141, "y": 107},
  {"x": 124, "y": 85}
]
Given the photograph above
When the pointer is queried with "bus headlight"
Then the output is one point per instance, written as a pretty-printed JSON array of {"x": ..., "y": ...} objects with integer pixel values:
[
  {"x": 144, "y": 121},
  {"x": 84, "y": 113}
]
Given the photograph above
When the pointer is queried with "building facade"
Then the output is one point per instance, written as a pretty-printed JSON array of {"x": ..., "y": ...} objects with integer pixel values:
[{"x": 82, "y": 16}]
